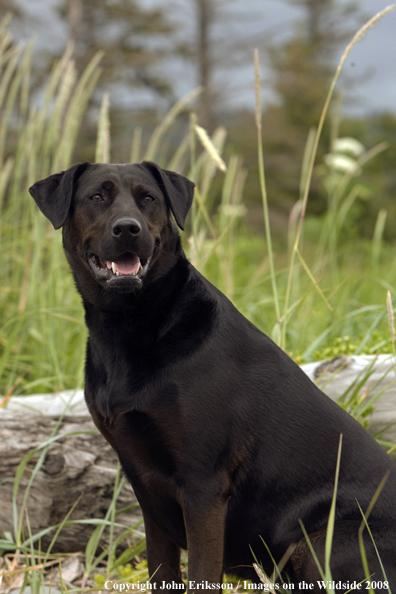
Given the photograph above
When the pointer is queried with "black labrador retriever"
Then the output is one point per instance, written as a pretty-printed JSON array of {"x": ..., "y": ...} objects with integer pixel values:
[{"x": 226, "y": 442}]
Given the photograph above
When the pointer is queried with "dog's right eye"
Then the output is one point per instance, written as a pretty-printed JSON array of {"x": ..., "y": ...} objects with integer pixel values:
[{"x": 97, "y": 198}]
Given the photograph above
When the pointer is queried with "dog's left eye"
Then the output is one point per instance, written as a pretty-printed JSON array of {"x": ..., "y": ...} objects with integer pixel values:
[
  {"x": 148, "y": 199},
  {"x": 96, "y": 198}
]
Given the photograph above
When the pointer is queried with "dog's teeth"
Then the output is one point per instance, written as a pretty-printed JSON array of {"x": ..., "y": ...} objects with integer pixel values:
[{"x": 116, "y": 273}]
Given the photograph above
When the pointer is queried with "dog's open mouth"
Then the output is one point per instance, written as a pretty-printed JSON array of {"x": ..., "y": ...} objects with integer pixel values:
[{"x": 126, "y": 265}]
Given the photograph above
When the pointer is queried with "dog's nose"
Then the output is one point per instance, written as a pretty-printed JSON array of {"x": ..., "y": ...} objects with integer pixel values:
[{"x": 125, "y": 227}]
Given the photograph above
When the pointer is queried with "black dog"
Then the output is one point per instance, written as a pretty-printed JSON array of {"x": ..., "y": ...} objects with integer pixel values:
[{"x": 225, "y": 441}]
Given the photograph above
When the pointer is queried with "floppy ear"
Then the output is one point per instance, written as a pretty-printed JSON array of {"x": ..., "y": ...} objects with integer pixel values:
[
  {"x": 53, "y": 195},
  {"x": 177, "y": 189}
]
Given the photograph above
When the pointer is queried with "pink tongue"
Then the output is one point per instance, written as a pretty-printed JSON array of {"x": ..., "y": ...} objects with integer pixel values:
[{"x": 126, "y": 264}]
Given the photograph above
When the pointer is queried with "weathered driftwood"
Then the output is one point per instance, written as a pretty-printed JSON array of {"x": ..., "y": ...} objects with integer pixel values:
[
  {"x": 86, "y": 464},
  {"x": 376, "y": 374},
  {"x": 80, "y": 465}
]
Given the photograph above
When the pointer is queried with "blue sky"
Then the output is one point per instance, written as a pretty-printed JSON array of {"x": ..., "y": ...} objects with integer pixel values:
[{"x": 372, "y": 62}]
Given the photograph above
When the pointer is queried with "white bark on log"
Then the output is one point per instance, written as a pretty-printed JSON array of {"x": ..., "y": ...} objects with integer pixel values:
[{"x": 86, "y": 464}]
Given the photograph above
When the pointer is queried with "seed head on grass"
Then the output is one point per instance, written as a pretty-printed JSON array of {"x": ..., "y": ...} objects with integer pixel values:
[
  {"x": 363, "y": 30},
  {"x": 210, "y": 147},
  {"x": 264, "y": 578}
]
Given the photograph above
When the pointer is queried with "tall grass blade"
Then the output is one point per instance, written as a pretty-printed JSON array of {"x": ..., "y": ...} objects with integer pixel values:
[
  {"x": 314, "y": 555},
  {"x": 63, "y": 97},
  {"x": 136, "y": 145},
  {"x": 315, "y": 284},
  {"x": 264, "y": 190},
  {"x": 307, "y": 157},
  {"x": 391, "y": 319},
  {"x": 180, "y": 158},
  {"x": 376, "y": 322},
  {"x": 103, "y": 143},
  {"x": 7, "y": 77},
  {"x": 161, "y": 129},
  {"x": 61, "y": 526},
  {"x": 331, "y": 521},
  {"x": 14, "y": 84},
  {"x": 364, "y": 524},
  {"x": 376, "y": 550},
  {"x": 378, "y": 235},
  {"x": 76, "y": 109}
]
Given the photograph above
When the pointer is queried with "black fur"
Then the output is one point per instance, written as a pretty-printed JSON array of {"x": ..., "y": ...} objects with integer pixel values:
[{"x": 224, "y": 439}]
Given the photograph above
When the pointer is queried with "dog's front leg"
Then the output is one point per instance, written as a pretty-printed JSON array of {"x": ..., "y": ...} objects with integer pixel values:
[
  {"x": 163, "y": 558},
  {"x": 205, "y": 527}
]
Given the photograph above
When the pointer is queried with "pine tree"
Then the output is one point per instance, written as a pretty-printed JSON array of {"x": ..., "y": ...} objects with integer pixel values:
[
  {"x": 304, "y": 66},
  {"x": 134, "y": 40}
]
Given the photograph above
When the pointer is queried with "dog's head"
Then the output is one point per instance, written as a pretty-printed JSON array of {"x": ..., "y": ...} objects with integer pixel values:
[{"x": 117, "y": 229}]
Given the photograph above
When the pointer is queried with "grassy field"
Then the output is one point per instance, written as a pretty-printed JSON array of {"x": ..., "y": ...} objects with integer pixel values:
[
  {"x": 42, "y": 334},
  {"x": 314, "y": 291}
]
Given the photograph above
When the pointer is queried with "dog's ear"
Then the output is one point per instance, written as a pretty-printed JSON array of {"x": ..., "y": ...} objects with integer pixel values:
[
  {"x": 53, "y": 195},
  {"x": 177, "y": 189}
]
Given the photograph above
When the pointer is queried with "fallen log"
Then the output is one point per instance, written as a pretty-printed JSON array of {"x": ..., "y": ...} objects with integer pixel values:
[{"x": 81, "y": 463}]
